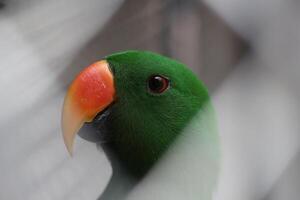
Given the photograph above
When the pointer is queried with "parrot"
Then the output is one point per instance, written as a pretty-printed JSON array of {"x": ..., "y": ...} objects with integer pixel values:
[{"x": 158, "y": 120}]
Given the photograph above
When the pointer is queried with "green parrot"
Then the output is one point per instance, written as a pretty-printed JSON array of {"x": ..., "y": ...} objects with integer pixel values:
[{"x": 157, "y": 116}]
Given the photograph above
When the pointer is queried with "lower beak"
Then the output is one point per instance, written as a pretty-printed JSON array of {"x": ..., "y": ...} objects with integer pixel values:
[{"x": 90, "y": 93}]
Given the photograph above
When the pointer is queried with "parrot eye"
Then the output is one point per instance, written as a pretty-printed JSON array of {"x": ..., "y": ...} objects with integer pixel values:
[{"x": 158, "y": 84}]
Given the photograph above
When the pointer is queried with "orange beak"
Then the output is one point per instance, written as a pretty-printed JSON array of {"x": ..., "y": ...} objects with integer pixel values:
[{"x": 90, "y": 93}]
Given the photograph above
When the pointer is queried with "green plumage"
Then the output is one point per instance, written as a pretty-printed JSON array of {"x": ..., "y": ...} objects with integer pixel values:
[{"x": 143, "y": 125}]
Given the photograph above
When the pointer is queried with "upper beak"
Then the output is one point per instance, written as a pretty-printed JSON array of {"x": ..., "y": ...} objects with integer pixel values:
[{"x": 90, "y": 93}]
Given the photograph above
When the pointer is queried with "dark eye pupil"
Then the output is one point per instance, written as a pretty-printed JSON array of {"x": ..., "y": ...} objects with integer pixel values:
[{"x": 158, "y": 84}]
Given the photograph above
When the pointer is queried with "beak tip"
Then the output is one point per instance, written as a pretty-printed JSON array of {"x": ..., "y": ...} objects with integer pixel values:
[
  {"x": 69, "y": 146},
  {"x": 68, "y": 142},
  {"x": 70, "y": 154},
  {"x": 70, "y": 150}
]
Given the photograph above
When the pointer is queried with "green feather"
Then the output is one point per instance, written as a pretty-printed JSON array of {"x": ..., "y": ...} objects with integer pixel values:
[{"x": 144, "y": 125}]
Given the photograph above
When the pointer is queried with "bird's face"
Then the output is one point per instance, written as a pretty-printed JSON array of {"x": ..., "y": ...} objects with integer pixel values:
[{"x": 150, "y": 98}]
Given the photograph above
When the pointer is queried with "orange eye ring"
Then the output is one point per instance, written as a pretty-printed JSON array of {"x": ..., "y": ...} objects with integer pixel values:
[{"x": 158, "y": 84}]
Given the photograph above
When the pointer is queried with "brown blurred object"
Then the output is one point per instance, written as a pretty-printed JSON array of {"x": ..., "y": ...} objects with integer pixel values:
[{"x": 188, "y": 31}]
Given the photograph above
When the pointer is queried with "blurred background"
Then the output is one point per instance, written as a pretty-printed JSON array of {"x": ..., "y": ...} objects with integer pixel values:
[{"x": 246, "y": 52}]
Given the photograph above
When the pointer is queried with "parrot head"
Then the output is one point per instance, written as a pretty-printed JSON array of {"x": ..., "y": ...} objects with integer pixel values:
[{"x": 144, "y": 100}]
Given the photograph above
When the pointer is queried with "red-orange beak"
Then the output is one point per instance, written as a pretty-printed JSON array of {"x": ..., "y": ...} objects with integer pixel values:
[{"x": 90, "y": 93}]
